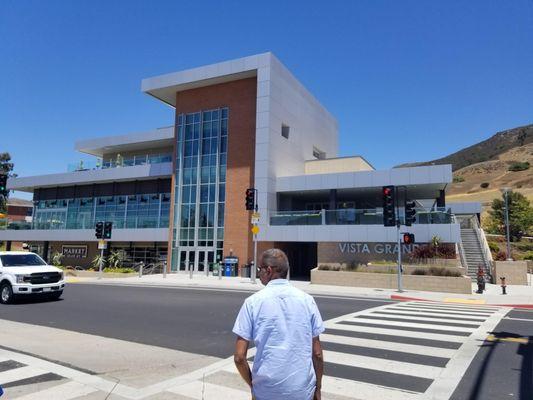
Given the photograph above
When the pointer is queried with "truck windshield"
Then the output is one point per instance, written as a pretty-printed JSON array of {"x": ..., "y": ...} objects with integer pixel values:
[{"x": 21, "y": 260}]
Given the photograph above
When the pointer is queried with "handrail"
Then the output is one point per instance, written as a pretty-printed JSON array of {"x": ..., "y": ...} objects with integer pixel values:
[
  {"x": 487, "y": 254},
  {"x": 460, "y": 249}
]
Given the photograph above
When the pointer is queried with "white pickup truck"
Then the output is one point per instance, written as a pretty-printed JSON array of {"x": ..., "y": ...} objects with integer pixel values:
[{"x": 24, "y": 273}]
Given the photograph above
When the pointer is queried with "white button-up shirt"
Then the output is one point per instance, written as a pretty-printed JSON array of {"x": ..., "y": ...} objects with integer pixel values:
[{"x": 282, "y": 321}]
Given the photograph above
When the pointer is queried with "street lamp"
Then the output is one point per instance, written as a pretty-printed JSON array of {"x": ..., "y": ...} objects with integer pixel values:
[{"x": 506, "y": 191}]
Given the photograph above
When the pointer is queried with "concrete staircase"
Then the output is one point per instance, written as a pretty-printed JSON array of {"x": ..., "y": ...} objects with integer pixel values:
[{"x": 473, "y": 253}]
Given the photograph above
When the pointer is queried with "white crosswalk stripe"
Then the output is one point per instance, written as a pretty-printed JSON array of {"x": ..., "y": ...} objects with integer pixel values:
[
  {"x": 384, "y": 361},
  {"x": 399, "y": 351}
]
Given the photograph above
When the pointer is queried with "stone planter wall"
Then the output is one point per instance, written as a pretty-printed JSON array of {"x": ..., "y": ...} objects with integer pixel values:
[
  {"x": 94, "y": 274},
  {"x": 390, "y": 281},
  {"x": 515, "y": 272}
]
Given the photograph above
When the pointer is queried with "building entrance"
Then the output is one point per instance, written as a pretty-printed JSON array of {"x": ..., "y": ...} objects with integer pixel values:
[
  {"x": 197, "y": 260},
  {"x": 302, "y": 259}
]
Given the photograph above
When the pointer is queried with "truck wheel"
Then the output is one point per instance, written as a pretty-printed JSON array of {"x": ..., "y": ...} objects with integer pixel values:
[
  {"x": 6, "y": 293},
  {"x": 55, "y": 295}
]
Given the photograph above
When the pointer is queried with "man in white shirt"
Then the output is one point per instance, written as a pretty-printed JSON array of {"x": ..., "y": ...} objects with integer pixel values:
[{"x": 285, "y": 324}]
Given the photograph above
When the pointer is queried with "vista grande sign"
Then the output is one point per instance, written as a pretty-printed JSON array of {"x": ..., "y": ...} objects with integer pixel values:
[
  {"x": 376, "y": 248},
  {"x": 360, "y": 252}
]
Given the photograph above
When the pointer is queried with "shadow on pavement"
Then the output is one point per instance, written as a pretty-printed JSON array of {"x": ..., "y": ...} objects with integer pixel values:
[{"x": 525, "y": 349}]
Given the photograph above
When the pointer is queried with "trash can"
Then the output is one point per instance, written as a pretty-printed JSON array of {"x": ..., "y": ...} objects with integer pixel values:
[
  {"x": 228, "y": 269},
  {"x": 245, "y": 271}
]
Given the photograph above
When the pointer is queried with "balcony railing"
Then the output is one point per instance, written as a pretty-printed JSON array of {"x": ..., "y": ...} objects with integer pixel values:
[
  {"x": 352, "y": 216},
  {"x": 120, "y": 162}
]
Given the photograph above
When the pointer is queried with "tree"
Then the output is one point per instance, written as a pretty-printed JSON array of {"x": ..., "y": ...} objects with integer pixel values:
[
  {"x": 520, "y": 216},
  {"x": 6, "y": 166}
]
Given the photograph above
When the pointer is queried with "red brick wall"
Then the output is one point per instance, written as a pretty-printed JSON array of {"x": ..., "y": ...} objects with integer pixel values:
[{"x": 240, "y": 97}]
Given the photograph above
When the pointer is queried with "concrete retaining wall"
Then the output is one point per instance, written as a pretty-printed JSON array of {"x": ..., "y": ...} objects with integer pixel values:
[
  {"x": 389, "y": 281},
  {"x": 515, "y": 272}
]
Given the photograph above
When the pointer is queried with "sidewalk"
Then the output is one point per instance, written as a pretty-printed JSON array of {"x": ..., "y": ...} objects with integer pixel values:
[{"x": 517, "y": 295}]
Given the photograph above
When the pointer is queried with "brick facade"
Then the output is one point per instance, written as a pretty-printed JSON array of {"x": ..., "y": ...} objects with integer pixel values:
[{"x": 240, "y": 98}]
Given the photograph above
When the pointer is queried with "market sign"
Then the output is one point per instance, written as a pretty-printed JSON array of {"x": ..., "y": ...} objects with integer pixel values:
[{"x": 74, "y": 251}]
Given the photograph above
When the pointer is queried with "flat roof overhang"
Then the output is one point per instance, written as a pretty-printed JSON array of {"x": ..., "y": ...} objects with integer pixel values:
[
  {"x": 119, "y": 174},
  {"x": 435, "y": 177},
  {"x": 164, "y": 87},
  {"x": 161, "y": 137},
  {"x": 84, "y": 235}
]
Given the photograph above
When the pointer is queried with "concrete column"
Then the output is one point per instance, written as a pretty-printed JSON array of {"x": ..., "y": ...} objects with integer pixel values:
[
  {"x": 8, "y": 245},
  {"x": 46, "y": 246},
  {"x": 333, "y": 199}
]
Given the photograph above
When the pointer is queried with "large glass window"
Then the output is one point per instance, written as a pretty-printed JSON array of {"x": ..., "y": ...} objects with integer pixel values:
[
  {"x": 200, "y": 186},
  {"x": 133, "y": 212}
]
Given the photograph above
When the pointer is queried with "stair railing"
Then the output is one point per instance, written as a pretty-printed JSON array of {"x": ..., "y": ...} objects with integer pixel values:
[
  {"x": 487, "y": 254},
  {"x": 459, "y": 249}
]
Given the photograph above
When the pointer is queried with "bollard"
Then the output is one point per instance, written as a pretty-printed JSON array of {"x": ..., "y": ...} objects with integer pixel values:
[
  {"x": 141, "y": 269},
  {"x": 219, "y": 271},
  {"x": 503, "y": 285},
  {"x": 164, "y": 269},
  {"x": 191, "y": 266},
  {"x": 480, "y": 280}
]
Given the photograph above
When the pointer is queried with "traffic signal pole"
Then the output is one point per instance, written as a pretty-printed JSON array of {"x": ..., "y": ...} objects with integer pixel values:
[{"x": 400, "y": 288}]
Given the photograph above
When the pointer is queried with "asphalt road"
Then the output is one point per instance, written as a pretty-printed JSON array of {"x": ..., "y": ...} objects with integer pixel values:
[
  {"x": 197, "y": 321},
  {"x": 502, "y": 369}
]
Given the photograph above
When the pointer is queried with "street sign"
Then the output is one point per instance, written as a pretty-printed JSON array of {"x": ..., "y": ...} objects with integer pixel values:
[
  {"x": 102, "y": 245},
  {"x": 255, "y": 218},
  {"x": 255, "y": 229}
]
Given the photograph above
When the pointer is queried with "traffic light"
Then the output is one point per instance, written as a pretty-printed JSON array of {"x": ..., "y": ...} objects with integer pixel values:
[
  {"x": 389, "y": 212},
  {"x": 408, "y": 238},
  {"x": 108, "y": 227},
  {"x": 3, "y": 185},
  {"x": 99, "y": 230},
  {"x": 250, "y": 199},
  {"x": 410, "y": 212}
]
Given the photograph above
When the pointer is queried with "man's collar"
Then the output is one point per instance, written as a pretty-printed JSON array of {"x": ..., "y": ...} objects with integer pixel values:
[{"x": 278, "y": 281}]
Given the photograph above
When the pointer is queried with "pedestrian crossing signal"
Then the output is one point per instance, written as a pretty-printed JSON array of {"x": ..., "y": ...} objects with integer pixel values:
[
  {"x": 408, "y": 238},
  {"x": 108, "y": 227}
]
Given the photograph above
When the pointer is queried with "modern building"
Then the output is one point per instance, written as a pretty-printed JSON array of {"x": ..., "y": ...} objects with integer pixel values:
[{"x": 178, "y": 193}]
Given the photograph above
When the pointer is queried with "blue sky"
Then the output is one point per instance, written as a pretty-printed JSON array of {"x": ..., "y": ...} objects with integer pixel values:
[{"x": 407, "y": 80}]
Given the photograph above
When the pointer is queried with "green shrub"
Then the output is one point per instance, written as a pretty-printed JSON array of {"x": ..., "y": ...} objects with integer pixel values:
[
  {"x": 119, "y": 270},
  {"x": 458, "y": 179},
  {"x": 436, "y": 271},
  {"x": 518, "y": 166},
  {"x": 528, "y": 255},
  {"x": 485, "y": 185},
  {"x": 493, "y": 246}
]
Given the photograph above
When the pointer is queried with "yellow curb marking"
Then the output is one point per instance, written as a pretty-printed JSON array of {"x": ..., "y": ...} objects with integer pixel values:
[
  {"x": 72, "y": 280},
  {"x": 463, "y": 301},
  {"x": 492, "y": 338}
]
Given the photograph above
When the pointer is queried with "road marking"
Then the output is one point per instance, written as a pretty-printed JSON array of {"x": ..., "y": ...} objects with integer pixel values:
[
  {"x": 463, "y": 301},
  {"x": 519, "y": 319},
  {"x": 17, "y": 374},
  {"x": 458, "y": 318},
  {"x": 392, "y": 346},
  {"x": 395, "y": 333},
  {"x": 422, "y": 318},
  {"x": 203, "y": 390},
  {"x": 441, "y": 310},
  {"x": 345, "y": 387},
  {"x": 448, "y": 306},
  {"x": 380, "y": 364},
  {"x": 66, "y": 391},
  {"x": 522, "y": 340},
  {"x": 421, "y": 325}
]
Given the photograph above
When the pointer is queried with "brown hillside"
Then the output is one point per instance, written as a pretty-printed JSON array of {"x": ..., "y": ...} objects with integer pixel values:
[
  {"x": 496, "y": 174},
  {"x": 486, "y": 150}
]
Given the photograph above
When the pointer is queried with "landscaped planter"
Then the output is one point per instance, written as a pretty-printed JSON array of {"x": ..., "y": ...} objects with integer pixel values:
[
  {"x": 95, "y": 274},
  {"x": 445, "y": 284}
]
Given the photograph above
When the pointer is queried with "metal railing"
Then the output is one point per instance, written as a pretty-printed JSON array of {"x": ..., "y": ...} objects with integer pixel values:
[
  {"x": 352, "y": 216},
  {"x": 460, "y": 249}
]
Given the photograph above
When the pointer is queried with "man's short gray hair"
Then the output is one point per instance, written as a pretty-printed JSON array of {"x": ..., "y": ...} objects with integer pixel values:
[{"x": 276, "y": 259}]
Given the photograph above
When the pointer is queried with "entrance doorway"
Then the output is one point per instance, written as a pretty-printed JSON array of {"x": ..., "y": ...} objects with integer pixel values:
[
  {"x": 197, "y": 260},
  {"x": 302, "y": 258}
]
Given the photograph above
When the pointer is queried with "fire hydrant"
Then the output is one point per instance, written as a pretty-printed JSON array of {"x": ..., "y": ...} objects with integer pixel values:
[
  {"x": 480, "y": 280},
  {"x": 503, "y": 285}
]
